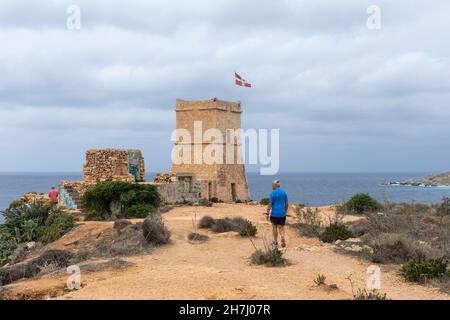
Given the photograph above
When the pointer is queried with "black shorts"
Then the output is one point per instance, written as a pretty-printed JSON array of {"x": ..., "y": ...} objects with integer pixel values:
[{"x": 278, "y": 221}]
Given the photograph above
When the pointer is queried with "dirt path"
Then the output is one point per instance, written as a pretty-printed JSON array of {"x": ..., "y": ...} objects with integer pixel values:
[{"x": 219, "y": 268}]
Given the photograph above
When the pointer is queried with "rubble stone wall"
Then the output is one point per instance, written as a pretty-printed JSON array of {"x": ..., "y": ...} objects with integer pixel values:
[
  {"x": 172, "y": 193},
  {"x": 114, "y": 164}
]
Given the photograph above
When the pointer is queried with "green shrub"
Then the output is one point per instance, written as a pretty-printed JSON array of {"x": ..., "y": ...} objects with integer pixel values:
[
  {"x": 140, "y": 210},
  {"x": 205, "y": 203},
  {"x": 335, "y": 231},
  {"x": 270, "y": 257},
  {"x": 185, "y": 202},
  {"x": 223, "y": 225},
  {"x": 214, "y": 200},
  {"x": 443, "y": 209},
  {"x": 419, "y": 271},
  {"x": 15, "y": 204},
  {"x": 309, "y": 223},
  {"x": 16, "y": 216},
  {"x": 57, "y": 225},
  {"x": 361, "y": 203},
  {"x": 194, "y": 236},
  {"x": 237, "y": 224},
  {"x": 391, "y": 248},
  {"x": 154, "y": 230},
  {"x": 248, "y": 230},
  {"x": 206, "y": 222},
  {"x": 29, "y": 228},
  {"x": 143, "y": 194},
  {"x": 24, "y": 220},
  {"x": 320, "y": 279},
  {"x": 370, "y": 295},
  {"x": 229, "y": 224},
  {"x": 8, "y": 243},
  {"x": 94, "y": 215},
  {"x": 264, "y": 201},
  {"x": 105, "y": 197}
]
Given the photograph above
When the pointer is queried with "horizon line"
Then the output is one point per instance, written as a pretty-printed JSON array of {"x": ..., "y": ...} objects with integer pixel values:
[{"x": 252, "y": 172}]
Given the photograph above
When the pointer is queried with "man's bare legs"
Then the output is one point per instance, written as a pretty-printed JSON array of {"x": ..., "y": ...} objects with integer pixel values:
[
  {"x": 277, "y": 229},
  {"x": 282, "y": 234},
  {"x": 275, "y": 234}
]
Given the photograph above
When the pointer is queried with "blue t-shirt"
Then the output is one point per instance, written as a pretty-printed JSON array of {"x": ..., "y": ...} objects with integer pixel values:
[{"x": 278, "y": 200}]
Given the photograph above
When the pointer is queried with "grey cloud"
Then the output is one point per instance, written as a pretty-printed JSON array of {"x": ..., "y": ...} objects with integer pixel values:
[{"x": 318, "y": 73}]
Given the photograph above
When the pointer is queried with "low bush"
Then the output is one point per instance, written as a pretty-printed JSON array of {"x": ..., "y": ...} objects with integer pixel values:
[
  {"x": 25, "y": 221},
  {"x": 8, "y": 243},
  {"x": 31, "y": 222},
  {"x": 56, "y": 225},
  {"x": 16, "y": 216},
  {"x": 320, "y": 279},
  {"x": 55, "y": 258},
  {"x": 248, "y": 230},
  {"x": 205, "y": 203},
  {"x": 363, "y": 294},
  {"x": 194, "y": 236},
  {"x": 206, "y": 222},
  {"x": 308, "y": 223},
  {"x": 360, "y": 203},
  {"x": 264, "y": 201},
  {"x": 443, "y": 210},
  {"x": 15, "y": 204},
  {"x": 405, "y": 232},
  {"x": 28, "y": 230},
  {"x": 420, "y": 271},
  {"x": 229, "y": 224},
  {"x": 141, "y": 210},
  {"x": 237, "y": 224},
  {"x": 271, "y": 257},
  {"x": 111, "y": 199},
  {"x": 391, "y": 248},
  {"x": 335, "y": 231},
  {"x": 214, "y": 200},
  {"x": 223, "y": 225},
  {"x": 155, "y": 231}
]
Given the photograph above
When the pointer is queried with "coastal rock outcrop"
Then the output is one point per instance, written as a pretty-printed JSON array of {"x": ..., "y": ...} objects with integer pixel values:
[{"x": 438, "y": 180}]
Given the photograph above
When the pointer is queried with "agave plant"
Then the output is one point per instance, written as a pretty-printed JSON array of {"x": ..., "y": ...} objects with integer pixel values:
[
  {"x": 37, "y": 211},
  {"x": 29, "y": 228}
]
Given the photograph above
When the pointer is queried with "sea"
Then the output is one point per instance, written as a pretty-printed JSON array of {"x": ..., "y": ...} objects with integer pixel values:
[{"x": 313, "y": 189}]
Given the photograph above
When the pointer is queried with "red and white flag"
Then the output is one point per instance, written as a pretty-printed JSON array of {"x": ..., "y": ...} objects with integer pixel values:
[{"x": 239, "y": 81}]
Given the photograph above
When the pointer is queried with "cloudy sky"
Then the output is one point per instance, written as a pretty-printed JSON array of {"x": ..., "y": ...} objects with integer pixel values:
[{"x": 345, "y": 98}]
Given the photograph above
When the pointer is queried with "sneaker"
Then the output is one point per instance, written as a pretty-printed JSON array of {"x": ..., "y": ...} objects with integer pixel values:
[{"x": 283, "y": 243}]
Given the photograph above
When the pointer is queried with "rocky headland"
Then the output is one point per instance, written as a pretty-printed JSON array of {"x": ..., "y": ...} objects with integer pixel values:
[{"x": 439, "y": 180}]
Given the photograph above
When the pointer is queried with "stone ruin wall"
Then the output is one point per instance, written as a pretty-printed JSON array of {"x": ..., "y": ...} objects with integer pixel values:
[
  {"x": 172, "y": 189},
  {"x": 171, "y": 193},
  {"x": 102, "y": 165},
  {"x": 112, "y": 164}
]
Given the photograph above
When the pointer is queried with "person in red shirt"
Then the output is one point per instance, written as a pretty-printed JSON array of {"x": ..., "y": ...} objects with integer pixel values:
[{"x": 53, "y": 195}]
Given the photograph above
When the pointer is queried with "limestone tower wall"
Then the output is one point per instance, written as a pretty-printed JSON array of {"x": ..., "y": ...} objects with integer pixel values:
[{"x": 226, "y": 181}]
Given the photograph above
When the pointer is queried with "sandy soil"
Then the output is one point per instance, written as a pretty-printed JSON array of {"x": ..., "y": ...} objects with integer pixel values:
[{"x": 220, "y": 269}]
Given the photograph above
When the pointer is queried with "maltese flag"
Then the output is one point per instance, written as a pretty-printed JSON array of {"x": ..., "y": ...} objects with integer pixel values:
[{"x": 239, "y": 81}]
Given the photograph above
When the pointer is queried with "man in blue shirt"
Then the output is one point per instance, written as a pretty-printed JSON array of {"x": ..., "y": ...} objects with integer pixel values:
[{"x": 276, "y": 210}]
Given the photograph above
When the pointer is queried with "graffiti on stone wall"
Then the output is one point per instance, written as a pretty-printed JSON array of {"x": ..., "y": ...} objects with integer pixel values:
[
  {"x": 133, "y": 165},
  {"x": 67, "y": 199}
]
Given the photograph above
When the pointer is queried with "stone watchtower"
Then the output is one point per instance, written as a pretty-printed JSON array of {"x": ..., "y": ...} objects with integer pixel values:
[{"x": 226, "y": 181}]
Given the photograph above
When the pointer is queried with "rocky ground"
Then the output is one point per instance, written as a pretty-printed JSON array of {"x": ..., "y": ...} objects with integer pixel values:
[{"x": 216, "y": 269}]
